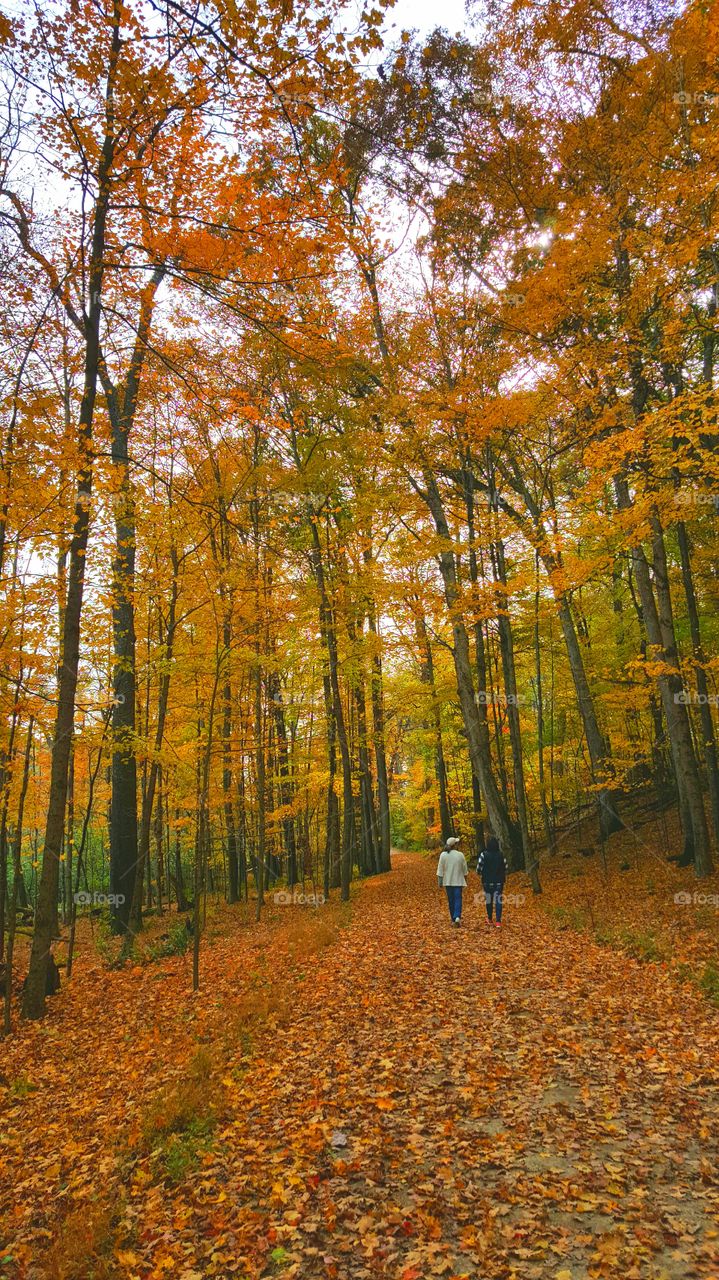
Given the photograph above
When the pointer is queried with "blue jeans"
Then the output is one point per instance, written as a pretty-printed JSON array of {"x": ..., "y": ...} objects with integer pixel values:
[
  {"x": 493, "y": 898},
  {"x": 454, "y": 898}
]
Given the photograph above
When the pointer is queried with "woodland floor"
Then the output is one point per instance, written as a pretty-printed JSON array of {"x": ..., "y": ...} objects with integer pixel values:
[{"x": 365, "y": 1092}]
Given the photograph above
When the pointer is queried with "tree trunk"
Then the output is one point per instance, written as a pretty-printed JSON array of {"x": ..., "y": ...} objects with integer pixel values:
[
  {"x": 69, "y": 836},
  {"x": 426, "y": 675},
  {"x": 539, "y": 692},
  {"x": 134, "y": 913},
  {"x": 182, "y": 903},
  {"x": 332, "y": 858},
  {"x": 261, "y": 782},
  {"x": 329, "y": 635},
  {"x": 81, "y": 848},
  {"x": 506, "y": 643},
  {"x": 685, "y": 746},
  {"x": 599, "y": 754},
  {"x": 378, "y": 731},
  {"x": 609, "y": 819},
  {"x": 705, "y": 713},
  {"x": 122, "y": 406},
  {"x": 286, "y": 788},
  {"x": 34, "y": 995},
  {"x": 477, "y": 739},
  {"x": 5, "y": 781},
  {"x": 233, "y": 870},
  {"x": 203, "y": 846},
  {"x": 659, "y": 624},
  {"x": 368, "y": 818},
  {"x": 16, "y": 880}
]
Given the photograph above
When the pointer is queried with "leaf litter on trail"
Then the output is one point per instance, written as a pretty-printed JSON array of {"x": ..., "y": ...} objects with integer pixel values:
[{"x": 399, "y": 1121}]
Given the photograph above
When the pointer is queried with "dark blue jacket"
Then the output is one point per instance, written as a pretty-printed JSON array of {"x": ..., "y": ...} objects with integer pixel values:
[{"x": 492, "y": 865}]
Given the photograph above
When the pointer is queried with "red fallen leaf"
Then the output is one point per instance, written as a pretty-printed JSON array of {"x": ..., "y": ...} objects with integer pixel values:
[
  {"x": 407, "y": 1228},
  {"x": 411, "y": 1273},
  {"x": 644, "y": 1237}
]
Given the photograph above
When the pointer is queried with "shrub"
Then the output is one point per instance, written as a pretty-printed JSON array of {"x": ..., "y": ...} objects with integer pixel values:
[
  {"x": 642, "y": 945},
  {"x": 21, "y": 1087},
  {"x": 175, "y": 942},
  {"x": 182, "y": 1151},
  {"x": 709, "y": 982},
  {"x": 179, "y": 1123},
  {"x": 83, "y": 1249},
  {"x": 569, "y": 917}
]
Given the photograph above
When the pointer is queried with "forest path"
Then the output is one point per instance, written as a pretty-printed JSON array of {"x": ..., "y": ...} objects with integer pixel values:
[
  {"x": 511, "y": 1103},
  {"x": 515, "y": 1102}
]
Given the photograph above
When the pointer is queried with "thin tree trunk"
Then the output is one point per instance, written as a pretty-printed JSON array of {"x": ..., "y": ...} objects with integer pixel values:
[
  {"x": 659, "y": 624},
  {"x": 368, "y": 820},
  {"x": 182, "y": 903},
  {"x": 705, "y": 713},
  {"x": 135, "y": 913},
  {"x": 426, "y": 675},
  {"x": 203, "y": 845},
  {"x": 6, "y": 778},
  {"x": 327, "y": 627},
  {"x": 332, "y": 857},
  {"x": 286, "y": 789},
  {"x": 477, "y": 740},
  {"x": 539, "y": 691},
  {"x": 598, "y": 747},
  {"x": 692, "y": 781},
  {"x": 159, "y": 840},
  {"x": 378, "y": 730},
  {"x": 227, "y": 779},
  {"x": 261, "y": 788},
  {"x": 506, "y": 643},
  {"x": 69, "y": 837},
  {"x": 16, "y": 877},
  {"x": 81, "y": 849}
]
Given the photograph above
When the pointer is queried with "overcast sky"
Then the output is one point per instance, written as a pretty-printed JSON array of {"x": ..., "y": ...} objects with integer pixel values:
[{"x": 425, "y": 15}]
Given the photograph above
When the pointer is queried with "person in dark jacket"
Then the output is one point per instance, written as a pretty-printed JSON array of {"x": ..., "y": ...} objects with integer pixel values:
[{"x": 492, "y": 867}]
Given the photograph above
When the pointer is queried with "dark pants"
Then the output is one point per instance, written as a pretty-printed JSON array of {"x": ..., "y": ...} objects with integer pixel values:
[
  {"x": 454, "y": 898},
  {"x": 493, "y": 898}
]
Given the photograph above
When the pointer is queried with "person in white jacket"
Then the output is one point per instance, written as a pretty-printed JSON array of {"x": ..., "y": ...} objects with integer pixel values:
[{"x": 452, "y": 876}]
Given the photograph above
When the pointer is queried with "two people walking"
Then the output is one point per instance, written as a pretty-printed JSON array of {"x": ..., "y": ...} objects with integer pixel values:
[{"x": 452, "y": 872}]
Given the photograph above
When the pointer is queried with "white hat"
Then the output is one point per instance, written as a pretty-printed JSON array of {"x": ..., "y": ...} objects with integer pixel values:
[{"x": 453, "y": 842}]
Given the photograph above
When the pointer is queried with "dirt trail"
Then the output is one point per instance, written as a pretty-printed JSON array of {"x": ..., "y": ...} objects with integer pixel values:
[
  {"x": 511, "y": 1103},
  {"x": 515, "y": 1102}
]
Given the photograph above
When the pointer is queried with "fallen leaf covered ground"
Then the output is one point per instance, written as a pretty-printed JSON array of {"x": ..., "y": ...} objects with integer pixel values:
[
  {"x": 632, "y": 898},
  {"x": 368, "y": 1093}
]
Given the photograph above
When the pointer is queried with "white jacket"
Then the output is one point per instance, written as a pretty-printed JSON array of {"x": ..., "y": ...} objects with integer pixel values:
[{"x": 452, "y": 868}]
